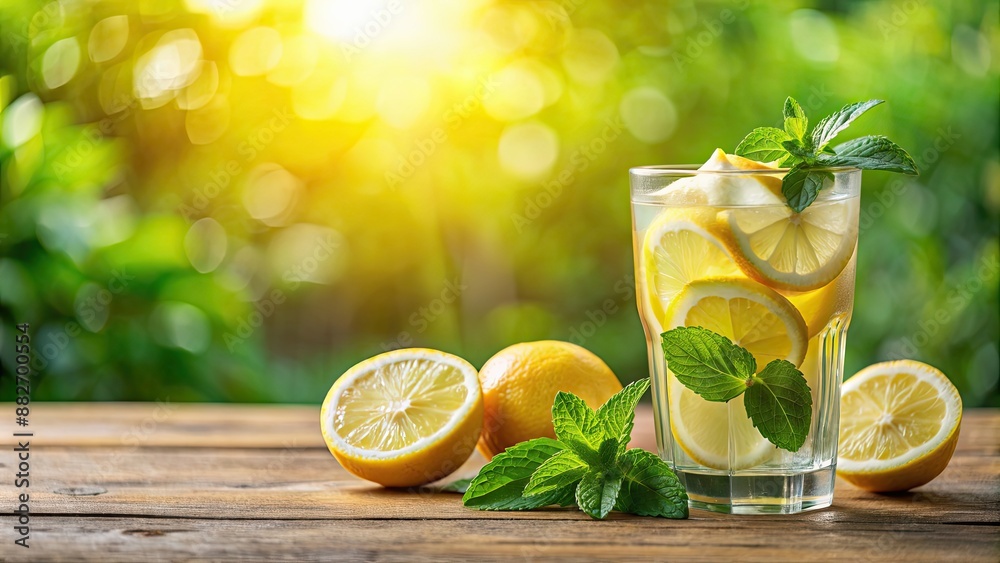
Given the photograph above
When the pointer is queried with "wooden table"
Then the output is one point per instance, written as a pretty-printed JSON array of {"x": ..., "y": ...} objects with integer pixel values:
[{"x": 159, "y": 482}]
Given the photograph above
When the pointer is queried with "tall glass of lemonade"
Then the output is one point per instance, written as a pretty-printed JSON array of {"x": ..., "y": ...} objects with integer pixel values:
[{"x": 718, "y": 247}]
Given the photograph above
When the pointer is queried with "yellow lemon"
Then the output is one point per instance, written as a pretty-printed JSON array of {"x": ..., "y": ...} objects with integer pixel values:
[
  {"x": 704, "y": 188},
  {"x": 520, "y": 384},
  {"x": 793, "y": 251},
  {"x": 404, "y": 418},
  {"x": 899, "y": 424},
  {"x": 719, "y": 435},
  {"x": 678, "y": 249}
]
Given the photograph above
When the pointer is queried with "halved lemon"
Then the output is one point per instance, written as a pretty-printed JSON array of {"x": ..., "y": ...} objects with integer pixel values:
[
  {"x": 752, "y": 316},
  {"x": 794, "y": 251},
  {"x": 678, "y": 249},
  {"x": 899, "y": 425},
  {"x": 404, "y": 418}
]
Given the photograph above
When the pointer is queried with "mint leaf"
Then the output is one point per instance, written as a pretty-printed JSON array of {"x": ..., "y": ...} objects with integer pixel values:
[
  {"x": 873, "y": 152},
  {"x": 649, "y": 487},
  {"x": 801, "y": 186},
  {"x": 796, "y": 122},
  {"x": 608, "y": 452},
  {"x": 796, "y": 149},
  {"x": 707, "y": 363},
  {"x": 576, "y": 426},
  {"x": 617, "y": 415},
  {"x": 764, "y": 144},
  {"x": 544, "y": 472},
  {"x": 597, "y": 492},
  {"x": 559, "y": 471},
  {"x": 500, "y": 483},
  {"x": 830, "y": 126},
  {"x": 779, "y": 404}
]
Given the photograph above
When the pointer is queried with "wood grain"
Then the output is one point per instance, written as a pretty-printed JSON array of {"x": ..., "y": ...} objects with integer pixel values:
[{"x": 221, "y": 482}]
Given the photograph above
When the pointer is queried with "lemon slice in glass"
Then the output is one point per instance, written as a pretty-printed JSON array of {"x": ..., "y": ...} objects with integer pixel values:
[
  {"x": 678, "y": 249},
  {"x": 752, "y": 316},
  {"x": 793, "y": 251}
]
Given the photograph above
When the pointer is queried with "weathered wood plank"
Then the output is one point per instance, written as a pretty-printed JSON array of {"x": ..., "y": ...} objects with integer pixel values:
[
  {"x": 256, "y": 483},
  {"x": 622, "y": 538},
  {"x": 188, "y": 425},
  {"x": 308, "y": 483}
]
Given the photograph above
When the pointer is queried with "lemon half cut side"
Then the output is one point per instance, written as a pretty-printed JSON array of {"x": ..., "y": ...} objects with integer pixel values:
[
  {"x": 404, "y": 418},
  {"x": 899, "y": 425}
]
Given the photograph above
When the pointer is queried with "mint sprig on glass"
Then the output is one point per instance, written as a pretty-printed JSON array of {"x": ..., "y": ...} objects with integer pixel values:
[
  {"x": 809, "y": 154},
  {"x": 589, "y": 465},
  {"x": 777, "y": 400}
]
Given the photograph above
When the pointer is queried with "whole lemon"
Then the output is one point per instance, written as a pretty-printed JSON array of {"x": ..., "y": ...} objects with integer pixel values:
[{"x": 520, "y": 384}]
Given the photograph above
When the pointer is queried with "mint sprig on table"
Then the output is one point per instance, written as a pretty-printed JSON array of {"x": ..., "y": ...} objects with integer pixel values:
[
  {"x": 809, "y": 154},
  {"x": 589, "y": 465},
  {"x": 777, "y": 400}
]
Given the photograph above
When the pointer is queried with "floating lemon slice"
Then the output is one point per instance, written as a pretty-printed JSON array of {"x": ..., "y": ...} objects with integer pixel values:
[
  {"x": 725, "y": 189},
  {"x": 404, "y": 418},
  {"x": 677, "y": 250},
  {"x": 752, "y": 316},
  {"x": 899, "y": 424},
  {"x": 793, "y": 251}
]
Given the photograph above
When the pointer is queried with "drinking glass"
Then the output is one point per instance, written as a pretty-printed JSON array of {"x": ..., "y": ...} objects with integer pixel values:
[{"x": 721, "y": 249}]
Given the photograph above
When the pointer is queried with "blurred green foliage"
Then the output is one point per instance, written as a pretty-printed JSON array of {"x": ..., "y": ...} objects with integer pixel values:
[{"x": 236, "y": 201}]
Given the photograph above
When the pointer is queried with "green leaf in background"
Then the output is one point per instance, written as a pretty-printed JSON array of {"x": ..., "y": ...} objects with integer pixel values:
[
  {"x": 801, "y": 186},
  {"x": 501, "y": 482},
  {"x": 764, "y": 144},
  {"x": 597, "y": 492},
  {"x": 779, "y": 403},
  {"x": 796, "y": 122},
  {"x": 617, "y": 415},
  {"x": 562, "y": 470},
  {"x": 649, "y": 487},
  {"x": 707, "y": 363},
  {"x": 576, "y": 426},
  {"x": 830, "y": 126},
  {"x": 873, "y": 152}
]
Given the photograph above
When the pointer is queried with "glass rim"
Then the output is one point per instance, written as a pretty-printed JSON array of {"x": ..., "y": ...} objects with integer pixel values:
[{"x": 693, "y": 169}]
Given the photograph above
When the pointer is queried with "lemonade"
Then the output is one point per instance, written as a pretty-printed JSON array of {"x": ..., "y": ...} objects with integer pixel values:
[{"x": 718, "y": 247}]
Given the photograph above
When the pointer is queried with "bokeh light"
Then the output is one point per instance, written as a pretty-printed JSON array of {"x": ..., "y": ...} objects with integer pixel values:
[{"x": 219, "y": 195}]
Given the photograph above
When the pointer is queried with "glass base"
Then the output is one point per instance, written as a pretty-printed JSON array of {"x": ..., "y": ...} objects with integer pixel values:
[{"x": 759, "y": 492}]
